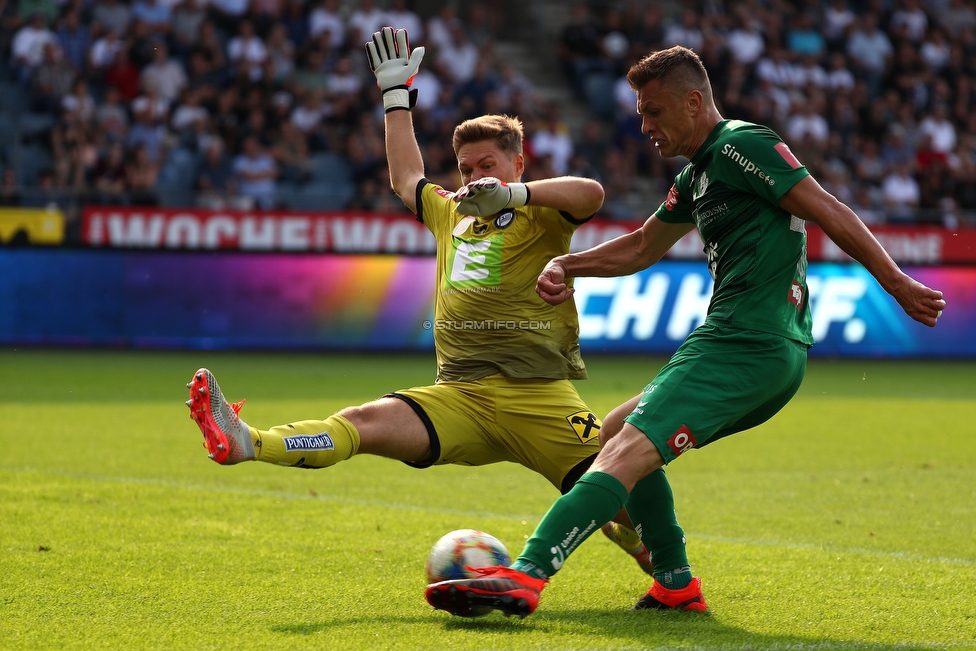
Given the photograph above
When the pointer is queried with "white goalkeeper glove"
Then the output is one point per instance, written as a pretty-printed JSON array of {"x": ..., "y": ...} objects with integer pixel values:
[
  {"x": 489, "y": 196},
  {"x": 395, "y": 66}
]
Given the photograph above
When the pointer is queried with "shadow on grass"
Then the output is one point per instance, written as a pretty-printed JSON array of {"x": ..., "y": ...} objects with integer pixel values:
[{"x": 641, "y": 629}]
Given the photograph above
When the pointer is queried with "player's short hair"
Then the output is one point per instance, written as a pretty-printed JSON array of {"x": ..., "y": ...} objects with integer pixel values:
[
  {"x": 506, "y": 131},
  {"x": 676, "y": 67}
]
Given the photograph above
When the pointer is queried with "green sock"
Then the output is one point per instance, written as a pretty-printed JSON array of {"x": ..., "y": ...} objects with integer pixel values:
[
  {"x": 651, "y": 508},
  {"x": 593, "y": 501}
]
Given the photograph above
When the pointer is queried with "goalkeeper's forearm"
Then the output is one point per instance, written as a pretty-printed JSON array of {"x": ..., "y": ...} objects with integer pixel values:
[
  {"x": 403, "y": 156},
  {"x": 580, "y": 197}
]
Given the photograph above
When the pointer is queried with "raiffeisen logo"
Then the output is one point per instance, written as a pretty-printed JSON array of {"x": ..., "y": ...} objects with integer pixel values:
[{"x": 748, "y": 166}]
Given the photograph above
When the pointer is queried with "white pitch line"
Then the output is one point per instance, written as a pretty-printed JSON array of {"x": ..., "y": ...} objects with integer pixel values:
[{"x": 167, "y": 483}]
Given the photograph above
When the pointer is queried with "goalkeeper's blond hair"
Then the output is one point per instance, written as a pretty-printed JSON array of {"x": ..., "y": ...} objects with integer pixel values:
[{"x": 505, "y": 131}]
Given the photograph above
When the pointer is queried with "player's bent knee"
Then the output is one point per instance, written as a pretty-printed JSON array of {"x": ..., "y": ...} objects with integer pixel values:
[
  {"x": 614, "y": 421},
  {"x": 629, "y": 456}
]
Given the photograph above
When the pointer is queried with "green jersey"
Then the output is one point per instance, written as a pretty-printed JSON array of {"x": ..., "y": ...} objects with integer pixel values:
[
  {"x": 487, "y": 317},
  {"x": 757, "y": 252}
]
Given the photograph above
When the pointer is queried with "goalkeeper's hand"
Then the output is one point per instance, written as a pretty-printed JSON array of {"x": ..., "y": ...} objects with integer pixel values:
[
  {"x": 395, "y": 66},
  {"x": 488, "y": 196}
]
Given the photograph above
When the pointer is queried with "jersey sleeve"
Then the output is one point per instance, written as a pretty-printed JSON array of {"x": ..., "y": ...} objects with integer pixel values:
[
  {"x": 758, "y": 160},
  {"x": 435, "y": 207},
  {"x": 676, "y": 208}
]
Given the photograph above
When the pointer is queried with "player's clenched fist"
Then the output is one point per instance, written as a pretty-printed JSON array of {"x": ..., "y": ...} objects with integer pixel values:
[
  {"x": 488, "y": 196},
  {"x": 395, "y": 66}
]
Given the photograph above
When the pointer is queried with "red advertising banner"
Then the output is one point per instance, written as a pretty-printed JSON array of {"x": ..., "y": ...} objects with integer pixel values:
[{"x": 368, "y": 232}]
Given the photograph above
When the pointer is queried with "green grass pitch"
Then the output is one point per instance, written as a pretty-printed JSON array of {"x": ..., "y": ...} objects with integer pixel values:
[{"x": 846, "y": 522}]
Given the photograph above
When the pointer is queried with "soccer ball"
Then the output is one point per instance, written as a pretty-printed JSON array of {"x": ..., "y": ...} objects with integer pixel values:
[{"x": 464, "y": 548}]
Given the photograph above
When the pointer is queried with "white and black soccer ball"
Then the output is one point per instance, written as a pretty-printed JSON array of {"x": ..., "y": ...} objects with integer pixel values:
[{"x": 461, "y": 549}]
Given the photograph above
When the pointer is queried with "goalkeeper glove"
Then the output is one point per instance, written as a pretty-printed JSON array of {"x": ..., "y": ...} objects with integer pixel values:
[
  {"x": 489, "y": 196},
  {"x": 395, "y": 66}
]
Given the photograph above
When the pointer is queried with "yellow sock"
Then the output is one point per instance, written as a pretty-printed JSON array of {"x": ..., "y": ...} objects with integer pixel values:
[{"x": 309, "y": 443}]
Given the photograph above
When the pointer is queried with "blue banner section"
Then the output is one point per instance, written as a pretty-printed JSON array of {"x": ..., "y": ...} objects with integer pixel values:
[{"x": 166, "y": 299}]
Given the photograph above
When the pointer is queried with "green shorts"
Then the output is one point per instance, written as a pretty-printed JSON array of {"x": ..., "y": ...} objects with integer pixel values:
[
  {"x": 719, "y": 382},
  {"x": 542, "y": 424}
]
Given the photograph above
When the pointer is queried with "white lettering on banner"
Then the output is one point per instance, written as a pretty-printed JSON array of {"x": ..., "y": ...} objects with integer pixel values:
[
  {"x": 353, "y": 234},
  {"x": 834, "y": 299},
  {"x": 218, "y": 229},
  {"x": 589, "y": 235},
  {"x": 263, "y": 232},
  {"x": 257, "y": 234},
  {"x": 690, "y": 306},
  {"x": 918, "y": 248},
  {"x": 627, "y": 304},
  {"x": 295, "y": 234},
  {"x": 183, "y": 231},
  {"x": 134, "y": 230}
]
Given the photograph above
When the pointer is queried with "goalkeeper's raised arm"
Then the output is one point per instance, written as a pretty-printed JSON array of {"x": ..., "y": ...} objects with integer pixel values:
[{"x": 489, "y": 185}]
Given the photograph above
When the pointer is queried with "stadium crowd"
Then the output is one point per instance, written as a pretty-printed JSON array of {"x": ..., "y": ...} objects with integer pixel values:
[{"x": 270, "y": 103}]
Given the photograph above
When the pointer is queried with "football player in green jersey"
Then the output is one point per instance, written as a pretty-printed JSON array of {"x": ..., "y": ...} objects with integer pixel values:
[
  {"x": 749, "y": 197},
  {"x": 505, "y": 358}
]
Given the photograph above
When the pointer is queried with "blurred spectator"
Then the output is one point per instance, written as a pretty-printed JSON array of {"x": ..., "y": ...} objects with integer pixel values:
[
  {"x": 216, "y": 187},
  {"x": 108, "y": 176},
  {"x": 837, "y": 17},
  {"x": 803, "y": 38},
  {"x": 579, "y": 46},
  {"x": 809, "y": 73},
  {"x": 900, "y": 193},
  {"x": 342, "y": 81},
  {"x": 908, "y": 21},
  {"x": 246, "y": 52},
  {"x": 325, "y": 17},
  {"x": 146, "y": 132},
  {"x": 156, "y": 15},
  {"x": 870, "y": 51},
  {"x": 112, "y": 15},
  {"x": 10, "y": 195},
  {"x": 839, "y": 76},
  {"x": 937, "y": 126},
  {"x": 428, "y": 86},
  {"x": 26, "y": 9},
  {"x": 439, "y": 26},
  {"x": 78, "y": 106},
  {"x": 686, "y": 32},
  {"x": 74, "y": 40},
  {"x": 552, "y": 139},
  {"x": 255, "y": 173},
  {"x": 51, "y": 81},
  {"x": 111, "y": 117},
  {"x": 745, "y": 42},
  {"x": 102, "y": 53},
  {"x": 458, "y": 58},
  {"x": 281, "y": 54},
  {"x": 188, "y": 18},
  {"x": 936, "y": 50},
  {"x": 776, "y": 68},
  {"x": 959, "y": 16},
  {"x": 399, "y": 16},
  {"x": 647, "y": 32},
  {"x": 141, "y": 174},
  {"x": 807, "y": 120},
  {"x": 365, "y": 20},
  {"x": 188, "y": 112},
  {"x": 227, "y": 13},
  {"x": 291, "y": 153},
  {"x": 27, "y": 48},
  {"x": 164, "y": 74},
  {"x": 293, "y": 18},
  {"x": 869, "y": 168}
]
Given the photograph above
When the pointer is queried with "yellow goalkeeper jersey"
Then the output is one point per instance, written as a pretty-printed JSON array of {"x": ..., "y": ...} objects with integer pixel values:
[{"x": 487, "y": 317}]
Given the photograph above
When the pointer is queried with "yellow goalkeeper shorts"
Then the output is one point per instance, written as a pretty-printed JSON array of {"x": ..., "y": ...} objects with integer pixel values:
[{"x": 542, "y": 424}]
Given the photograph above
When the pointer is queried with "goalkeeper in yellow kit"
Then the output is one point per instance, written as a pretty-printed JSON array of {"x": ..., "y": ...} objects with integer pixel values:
[{"x": 505, "y": 358}]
